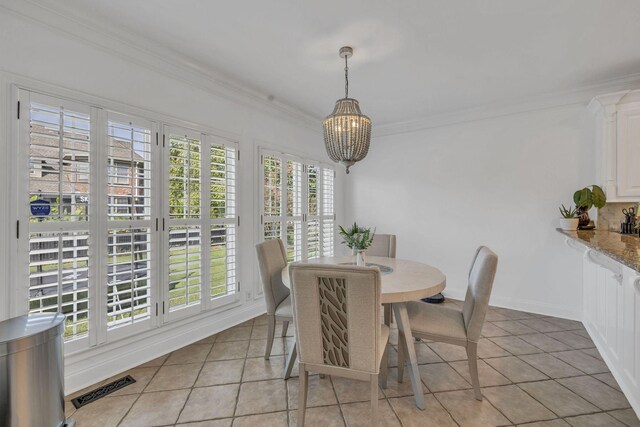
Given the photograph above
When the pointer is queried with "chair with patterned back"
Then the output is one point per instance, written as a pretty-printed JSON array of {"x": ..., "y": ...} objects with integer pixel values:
[{"x": 338, "y": 326}]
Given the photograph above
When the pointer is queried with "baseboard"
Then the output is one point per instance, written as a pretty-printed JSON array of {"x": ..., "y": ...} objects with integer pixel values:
[
  {"x": 522, "y": 305},
  {"x": 97, "y": 364},
  {"x": 633, "y": 399}
]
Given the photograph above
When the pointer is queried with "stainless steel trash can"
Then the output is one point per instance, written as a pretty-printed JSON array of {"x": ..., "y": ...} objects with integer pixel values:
[{"x": 32, "y": 371}]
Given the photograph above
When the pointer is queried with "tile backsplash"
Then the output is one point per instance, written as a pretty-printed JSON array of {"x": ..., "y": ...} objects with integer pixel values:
[{"x": 610, "y": 216}]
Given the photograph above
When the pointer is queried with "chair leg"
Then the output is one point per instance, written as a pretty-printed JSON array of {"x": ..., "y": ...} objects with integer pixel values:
[
  {"x": 384, "y": 367},
  {"x": 285, "y": 327},
  {"x": 270, "y": 334},
  {"x": 302, "y": 394},
  {"x": 374, "y": 401},
  {"x": 387, "y": 314},
  {"x": 472, "y": 356},
  {"x": 291, "y": 360},
  {"x": 401, "y": 357}
]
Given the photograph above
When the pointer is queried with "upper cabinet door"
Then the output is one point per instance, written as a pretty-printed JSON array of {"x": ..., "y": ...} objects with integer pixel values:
[{"x": 628, "y": 150}]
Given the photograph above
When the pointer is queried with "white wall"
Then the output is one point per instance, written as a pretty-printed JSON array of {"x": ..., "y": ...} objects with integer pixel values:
[
  {"x": 54, "y": 57},
  {"x": 495, "y": 182}
]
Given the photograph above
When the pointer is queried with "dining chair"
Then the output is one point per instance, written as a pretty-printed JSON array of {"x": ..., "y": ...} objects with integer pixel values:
[
  {"x": 338, "y": 327},
  {"x": 272, "y": 258},
  {"x": 383, "y": 245},
  {"x": 458, "y": 326}
]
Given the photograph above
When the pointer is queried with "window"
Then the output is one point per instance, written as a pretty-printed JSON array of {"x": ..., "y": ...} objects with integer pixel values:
[
  {"x": 124, "y": 232},
  {"x": 297, "y": 205}
]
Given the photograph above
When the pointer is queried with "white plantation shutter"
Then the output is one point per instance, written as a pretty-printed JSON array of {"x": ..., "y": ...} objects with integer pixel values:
[
  {"x": 305, "y": 190},
  {"x": 131, "y": 247},
  {"x": 60, "y": 152}
]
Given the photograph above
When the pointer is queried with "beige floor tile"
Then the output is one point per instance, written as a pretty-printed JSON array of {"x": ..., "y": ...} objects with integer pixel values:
[
  {"x": 559, "y": 399},
  {"x": 171, "y": 377},
  {"x": 515, "y": 314},
  {"x": 210, "y": 402},
  {"x": 487, "y": 349},
  {"x": 158, "y": 361},
  {"x": 487, "y": 375},
  {"x": 261, "y": 396},
  {"x": 582, "y": 333},
  {"x": 594, "y": 420},
  {"x": 608, "y": 379},
  {"x": 156, "y": 409},
  {"x": 434, "y": 414},
  {"x": 194, "y": 353},
  {"x": 425, "y": 354},
  {"x": 549, "y": 365},
  {"x": 515, "y": 369},
  {"x": 494, "y": 316},
  {"x": 627, "y": 416},
  {"x": 593, "y": 352},
  {"x": 349, "y": 391},
  {"x": 448, "y": 352},
  {"x": 541, "y": 325},
  {"x": 441, "y": 377},
  {"x": 393, "y": 357},
  {"x": 208, "y": 340},
  {"x": 393, "y": 336},
  {"x": 544, "y": 342},
  {"x": 514, "y": 327},
  {"x": 275, "y": 419},
  {"x": 517, "y": 405},
  {"x": 515, "y": 345},
  {"x": 467, "y": 411},
  {"x": 237, "y": 333},
  {"x": 260, "y": 332},
  {"x": 396, "y": 389},
  {"x": 324, "y": 416},
  {"x": 220, "y": 372},
  {"x": 104, "y": 412},
  {"x": 211, "y": 423},
  {"x": 565, "y": 324},
  {"x": 257, "y": 368},
  {"x": 84, "y": 390},
  {"x": 228, "y": 350},
  {"x": 358, "y": 414},
  {"x": 69, "y": 409},
  {"x": 550, "y": 423},
  {"x": 261, "y": 320},
  {"x": 258, "y": 347},
  {"x": 491, "y": 330},
  {"x": 582, "y": 361},
  {"x": 596, "y": 392},
  {"x": 320, "y": 392},
  {"x": 572, "y": 340}
]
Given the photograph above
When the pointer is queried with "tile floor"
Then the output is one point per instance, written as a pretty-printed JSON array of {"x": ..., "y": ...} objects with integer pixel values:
[{"x": 534, "y": 370}]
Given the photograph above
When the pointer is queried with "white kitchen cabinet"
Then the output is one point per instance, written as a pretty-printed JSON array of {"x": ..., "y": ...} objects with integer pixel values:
[
  {"x": 617, "y": 127},
  {"x": 611, "y": 315}
]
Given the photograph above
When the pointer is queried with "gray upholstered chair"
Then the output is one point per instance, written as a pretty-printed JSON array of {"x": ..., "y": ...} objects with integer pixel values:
[
  {"x": 272, "y": 258},
  {"x": 383, "y": 245},
  {"x": 457, "y": 326},
  {"x": 338, "y": 327}
]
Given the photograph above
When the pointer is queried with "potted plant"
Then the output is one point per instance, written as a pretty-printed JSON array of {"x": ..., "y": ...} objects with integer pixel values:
[
  {"x": 587, "y": 198},
  {"x": 569, "y": 220},
  {"x": 357, "y": 239}
]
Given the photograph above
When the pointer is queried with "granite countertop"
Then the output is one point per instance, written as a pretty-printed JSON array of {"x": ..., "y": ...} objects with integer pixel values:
[{"x": 624, "y": 248}]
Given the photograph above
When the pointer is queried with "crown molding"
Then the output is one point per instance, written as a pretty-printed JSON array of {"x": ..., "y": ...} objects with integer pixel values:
[
  {"x": 582, "y": 95},
  {"x": 138, "y": 50}
]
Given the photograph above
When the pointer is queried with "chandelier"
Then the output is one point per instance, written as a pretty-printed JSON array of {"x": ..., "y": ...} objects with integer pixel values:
[{"x": 347, "y": 132}]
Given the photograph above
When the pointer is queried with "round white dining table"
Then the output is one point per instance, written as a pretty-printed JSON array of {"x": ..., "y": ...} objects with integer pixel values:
[{"x": 402, "y": 281}]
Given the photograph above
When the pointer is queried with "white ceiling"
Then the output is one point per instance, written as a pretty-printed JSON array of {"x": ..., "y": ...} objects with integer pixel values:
[{"x": 413, "y": 58}]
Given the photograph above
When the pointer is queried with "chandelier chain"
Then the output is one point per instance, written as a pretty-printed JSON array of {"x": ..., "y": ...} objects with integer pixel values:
[{"x": 346, "y": 77}]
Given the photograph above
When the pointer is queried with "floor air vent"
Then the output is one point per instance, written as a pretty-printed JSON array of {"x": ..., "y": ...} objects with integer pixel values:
[{"x": 102, "y": 391}]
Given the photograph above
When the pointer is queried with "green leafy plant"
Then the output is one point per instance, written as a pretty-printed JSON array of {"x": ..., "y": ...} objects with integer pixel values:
[
  {"x": 589, "y": 197},
  {"x": 568, "y": 213},
  {"x": 355, "y": 237}
]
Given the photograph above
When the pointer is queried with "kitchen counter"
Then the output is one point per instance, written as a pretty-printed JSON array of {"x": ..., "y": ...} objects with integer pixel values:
[{"x": 624, "y": 248}]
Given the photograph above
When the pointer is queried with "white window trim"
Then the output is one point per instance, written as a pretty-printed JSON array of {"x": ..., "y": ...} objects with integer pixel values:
[{"x": 17, "y": 299}]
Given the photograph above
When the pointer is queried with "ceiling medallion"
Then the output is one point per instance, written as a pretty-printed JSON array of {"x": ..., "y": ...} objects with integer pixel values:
[{"x": 347, "y": 132}]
